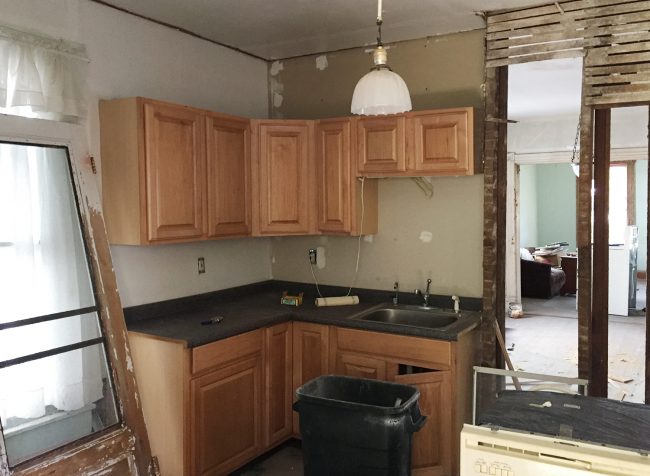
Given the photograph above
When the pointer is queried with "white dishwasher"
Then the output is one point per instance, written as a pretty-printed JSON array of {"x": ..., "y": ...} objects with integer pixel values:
[{"x": 498, "y": 452}]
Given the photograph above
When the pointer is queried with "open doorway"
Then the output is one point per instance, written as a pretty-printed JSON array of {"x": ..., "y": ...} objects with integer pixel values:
[{"x": 541, "y": 251}]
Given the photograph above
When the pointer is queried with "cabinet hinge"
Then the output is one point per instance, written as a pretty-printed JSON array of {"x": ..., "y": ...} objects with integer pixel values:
[{"x": 93, "y": 167}]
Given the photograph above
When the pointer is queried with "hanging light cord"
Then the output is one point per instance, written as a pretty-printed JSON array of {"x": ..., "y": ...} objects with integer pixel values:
[
  {"x": 575, "y": 144},
  {"x": 356, "y": 269}
]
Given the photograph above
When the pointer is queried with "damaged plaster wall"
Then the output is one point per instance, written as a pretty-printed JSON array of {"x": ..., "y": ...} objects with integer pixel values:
[
  {"x": 133, "y": 57},
  {"x": 443, "y": 71}
]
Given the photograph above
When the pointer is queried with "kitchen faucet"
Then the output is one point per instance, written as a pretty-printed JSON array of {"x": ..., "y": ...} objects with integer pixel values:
[
  {"x": 396, "y": 297},
  {"x": 426, "y": 293}
]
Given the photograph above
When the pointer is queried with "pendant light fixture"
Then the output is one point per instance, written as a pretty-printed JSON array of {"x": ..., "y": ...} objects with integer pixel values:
[
  {"x": 380, "y": 91},
  {"x": 575, "y": 164}
]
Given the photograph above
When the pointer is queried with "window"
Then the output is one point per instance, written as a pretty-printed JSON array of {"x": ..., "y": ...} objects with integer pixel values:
[
  {"x": 55, "y": 386},
  {"x": 67, "y": 389}
]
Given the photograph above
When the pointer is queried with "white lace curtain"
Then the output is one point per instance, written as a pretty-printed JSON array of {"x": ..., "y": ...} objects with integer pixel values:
[
  {"x": 42, "y": 271},
  {"x": 41, "y": 77}
]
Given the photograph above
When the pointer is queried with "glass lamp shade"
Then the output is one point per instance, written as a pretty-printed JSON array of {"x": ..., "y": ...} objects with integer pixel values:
[
  {"x": 380, "y": 92},
  {"x": 576, "y": 168}
]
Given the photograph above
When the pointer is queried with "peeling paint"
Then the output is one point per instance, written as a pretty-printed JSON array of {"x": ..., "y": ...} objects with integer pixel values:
[
  {"x": 321, "y": 62},
  {"x": 277, "y": 99},
  {"x": 276, "y": 67},
  {"x": 426, "y": 236},
  {"x": 129, "y": 362}
]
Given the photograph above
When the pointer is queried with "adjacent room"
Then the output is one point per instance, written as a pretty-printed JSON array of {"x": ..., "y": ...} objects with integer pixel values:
[{"x": 543, "y": 153}]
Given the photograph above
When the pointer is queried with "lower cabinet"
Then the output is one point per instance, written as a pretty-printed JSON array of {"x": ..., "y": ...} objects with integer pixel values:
[
  {"x": 278, "y": 424},
  {"x": 213, "y": 408},
  {"x": 310, "y": 356},
  {"x": 441, "y": 370},
  {"x": 226, "y": 416},
  {"x": 432, "y": 446}
]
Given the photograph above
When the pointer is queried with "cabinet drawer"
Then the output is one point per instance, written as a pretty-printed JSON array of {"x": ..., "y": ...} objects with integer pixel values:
[
  {"x": 220, "y": 352},
  {"x": 434, "y": 353}
]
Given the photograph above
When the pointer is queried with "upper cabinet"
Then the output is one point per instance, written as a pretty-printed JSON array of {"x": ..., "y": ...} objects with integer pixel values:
[
  {"x": 342, "y": 198},
  {"x": 438, "y": 142},
  {"x": 174, "y": 156},
  {"x": 229, "y": 176},
  {"x": 284, "y": 177},
  {"x": 441, "y": 142},
  {"x": 381, "y": 144},
  {"x": 172, "y": 173}
]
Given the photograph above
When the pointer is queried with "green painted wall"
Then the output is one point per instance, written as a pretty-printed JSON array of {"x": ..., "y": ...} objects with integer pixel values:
[
  {"x": 547, "y": 207},
  {"x": 556, "y": 204},
  {"x": 443, "y": 71},
  {"x": 528, "y": 206}
]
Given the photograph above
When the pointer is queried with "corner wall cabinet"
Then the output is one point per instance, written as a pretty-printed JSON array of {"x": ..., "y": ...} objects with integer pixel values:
[
  {"x": 340, "y": 200},
  {"x": 284, "y": 174}
]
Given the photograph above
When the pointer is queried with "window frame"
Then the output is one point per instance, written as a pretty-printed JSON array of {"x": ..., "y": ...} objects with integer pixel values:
[{"x": 125, "y": 445}]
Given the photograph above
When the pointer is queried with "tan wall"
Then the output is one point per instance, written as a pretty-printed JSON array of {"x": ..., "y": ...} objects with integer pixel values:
[{"x": 443, "y": 71}]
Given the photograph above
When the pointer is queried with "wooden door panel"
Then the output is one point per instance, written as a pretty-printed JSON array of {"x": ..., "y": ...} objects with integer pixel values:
[
  {"x": 432, "y": 445},
  {"x": 355, "y": 365},
  {"x": 279, "y": 384},
  {"x": 228, "y": 171},
  {"x": 285, "y": 179},
  {"x": 381, "y": 144},
  {"x": 310, "y": 356},
  {"x": 226, "y": 417},
  {"x": 174, "y": 161},
  {"x": 442, "y": 142},
  {"x": 333, "y": 155}
]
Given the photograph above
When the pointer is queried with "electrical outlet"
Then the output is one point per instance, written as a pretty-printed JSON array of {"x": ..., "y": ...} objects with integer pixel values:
[
  {"x": 201, "y": 265},
  {"x": 312, "y": 256}
]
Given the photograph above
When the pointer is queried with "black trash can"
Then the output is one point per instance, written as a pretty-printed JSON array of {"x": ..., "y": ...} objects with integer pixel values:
[{"x": 357, "y": 427}]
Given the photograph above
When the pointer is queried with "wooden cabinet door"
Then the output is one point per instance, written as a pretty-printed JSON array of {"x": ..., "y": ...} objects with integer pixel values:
[
  {"x": 286, "y": 178},
  {"x": 432, "y": 445},
  {"x": 356, "y": 365},
  {"x": 226, "y": 416},
  {"x": 174, "y": 144},
  {"x": 228, "y": 172},
  {"x": 334, "y": 175},
  {"x": 310, "y": 356},
  {"x": 442, "y": 142},
  {"x": 381, "y": 144},
  {"x": 278, "y": 384}
]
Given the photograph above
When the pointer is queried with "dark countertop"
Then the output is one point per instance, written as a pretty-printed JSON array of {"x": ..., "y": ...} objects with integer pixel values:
[
  {"x": 589, "y": 419},
  {"x": 254, "y": 306}
]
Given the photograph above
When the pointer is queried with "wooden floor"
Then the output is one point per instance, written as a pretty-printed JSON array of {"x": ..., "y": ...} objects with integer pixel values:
[{"x": 545, "y": 341}]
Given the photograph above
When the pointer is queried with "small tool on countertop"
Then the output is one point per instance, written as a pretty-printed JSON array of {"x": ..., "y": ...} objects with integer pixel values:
[{"x": 212, "y": 320}]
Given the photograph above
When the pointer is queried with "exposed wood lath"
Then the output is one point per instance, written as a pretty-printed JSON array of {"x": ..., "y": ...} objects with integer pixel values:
[{"x": 613, "y": 35}]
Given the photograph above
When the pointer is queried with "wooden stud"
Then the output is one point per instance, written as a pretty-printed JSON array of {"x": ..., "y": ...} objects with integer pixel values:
[
  {"x": 600, "y": 304},
  {"x": 647, "y": 289}
]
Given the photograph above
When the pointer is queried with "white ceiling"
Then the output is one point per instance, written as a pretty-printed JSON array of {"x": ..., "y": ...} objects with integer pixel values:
[
  {"x": 544, "y": 88},
  {"x": 276, "y": 29}
]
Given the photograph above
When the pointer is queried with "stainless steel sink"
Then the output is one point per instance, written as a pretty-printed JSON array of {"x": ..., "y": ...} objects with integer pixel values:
[{"x": 414, "y": 316}]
